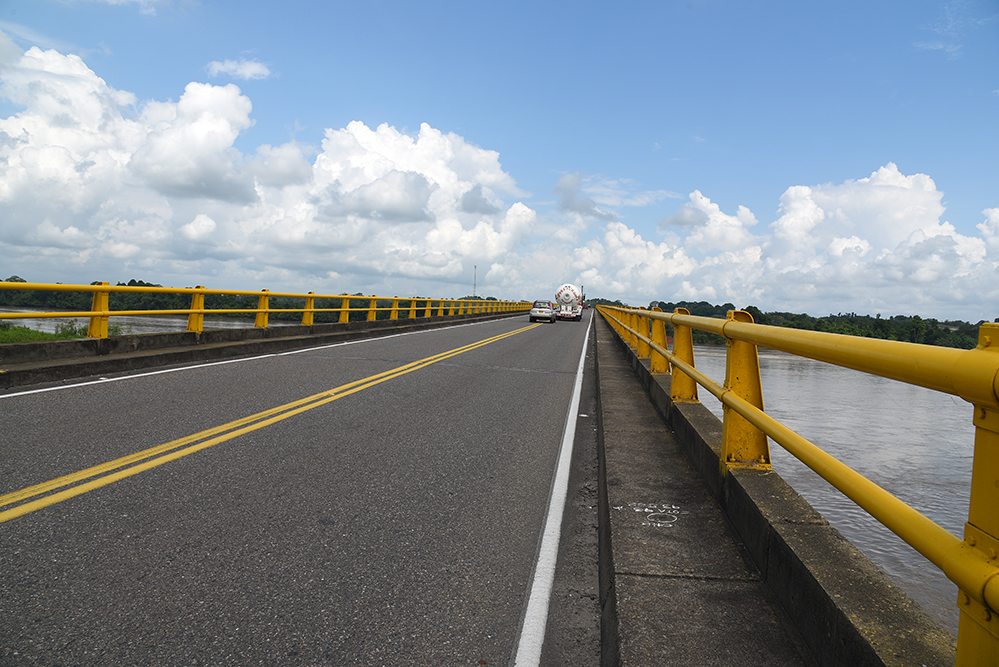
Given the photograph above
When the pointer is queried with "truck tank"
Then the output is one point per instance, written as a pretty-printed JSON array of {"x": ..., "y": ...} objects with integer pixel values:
[{"x": 570, "y": 301}]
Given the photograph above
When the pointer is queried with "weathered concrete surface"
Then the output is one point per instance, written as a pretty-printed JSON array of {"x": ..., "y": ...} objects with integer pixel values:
[
  {"x": 32, "y": 363},
  {"x": 684, "y": 588},
  {"x": 845, "y": 610}
]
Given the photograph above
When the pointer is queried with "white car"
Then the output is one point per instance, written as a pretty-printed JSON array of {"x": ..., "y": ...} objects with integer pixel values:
[{"x": 543, "y": 310}]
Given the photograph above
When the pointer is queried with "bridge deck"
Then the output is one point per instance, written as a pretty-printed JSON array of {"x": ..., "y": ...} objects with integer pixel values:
[{"x": 686, "y": 591}]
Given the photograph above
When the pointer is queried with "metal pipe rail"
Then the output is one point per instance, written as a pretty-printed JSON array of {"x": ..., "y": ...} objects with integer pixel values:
[
  {"x": 100, "y": 311},
  {"x": 971, "y": 563}
]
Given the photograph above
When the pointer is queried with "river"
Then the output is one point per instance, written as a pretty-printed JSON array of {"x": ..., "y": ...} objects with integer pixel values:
[
  {"x": 916, "y": 443},
  {"x": 138, "y": 324}
]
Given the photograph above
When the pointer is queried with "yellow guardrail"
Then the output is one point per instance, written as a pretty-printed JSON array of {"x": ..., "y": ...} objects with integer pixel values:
[
  {"x": 973, "y": 562},
  {"x": 100, "y": 312}
]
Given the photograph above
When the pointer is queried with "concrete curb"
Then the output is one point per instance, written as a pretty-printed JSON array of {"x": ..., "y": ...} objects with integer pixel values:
[
  {"x": 847, "y": 611},
  {"x": 34, "y": 363}
]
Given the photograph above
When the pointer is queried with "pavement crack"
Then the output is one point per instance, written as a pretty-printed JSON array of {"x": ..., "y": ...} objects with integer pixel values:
[{"x": 684, "y": 575}]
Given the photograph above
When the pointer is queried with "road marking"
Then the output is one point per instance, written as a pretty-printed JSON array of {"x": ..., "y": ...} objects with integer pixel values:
[
  {"x": 133, "y": 464},
  {"x": 532, "y": 635},
  {"x": 196, "y": 366}
]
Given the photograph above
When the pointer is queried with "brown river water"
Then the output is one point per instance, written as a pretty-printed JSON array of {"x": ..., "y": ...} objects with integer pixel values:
[{"x": 914, "y": 442}]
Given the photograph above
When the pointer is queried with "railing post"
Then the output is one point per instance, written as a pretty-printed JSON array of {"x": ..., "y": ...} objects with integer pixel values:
[
  {"x": 978, "y": 628},
  {"x": 743, "y": 445},
  {"x": 345, "y": 308},
  {"x": 427, "y": 313},
  {"x": 310, "y": 310},
  {"x": 644, "y": 351},
  {"x": 633, "y": 327},
  {"x": 394, "y": 315},
  {"x": 412, "y": 309},
  {"x": 372, "y": 304},
  {"x": 196, "y": 318},
  {"x": 658, "y": 363},
  {"x": 450, "y": 310},
  {"x": 440, "y": 308},
  {"x": 99, "y": 323},
  {"x": 261, "y": 320},
  {"x": 683, "y": 388}
]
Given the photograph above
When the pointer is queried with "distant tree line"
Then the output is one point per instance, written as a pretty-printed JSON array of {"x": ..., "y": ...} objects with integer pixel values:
[
  {"x": 914, "y": 329},
  {"x": 81, "y": 301}
]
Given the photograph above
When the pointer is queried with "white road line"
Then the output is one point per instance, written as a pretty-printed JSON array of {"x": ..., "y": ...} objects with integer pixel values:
[
  {"x": 532, "y": 635},
  {"x": 232, "y": 361}
]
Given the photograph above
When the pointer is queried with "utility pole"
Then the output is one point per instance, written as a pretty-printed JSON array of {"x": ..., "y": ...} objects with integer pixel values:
[{"x": 475, "y": 275}]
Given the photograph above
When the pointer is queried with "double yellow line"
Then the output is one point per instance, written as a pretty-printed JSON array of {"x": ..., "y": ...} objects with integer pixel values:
[{"x": 76, "y": 483}]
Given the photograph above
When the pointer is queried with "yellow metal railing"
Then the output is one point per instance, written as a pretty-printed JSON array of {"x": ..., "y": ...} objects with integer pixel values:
[
  {"x": 100, "y": 312},
  {"x": 971, "y": 563}
]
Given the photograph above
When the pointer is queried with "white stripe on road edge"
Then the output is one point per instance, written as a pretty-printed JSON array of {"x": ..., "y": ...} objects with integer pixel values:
[{"x": 532, "y": 635}]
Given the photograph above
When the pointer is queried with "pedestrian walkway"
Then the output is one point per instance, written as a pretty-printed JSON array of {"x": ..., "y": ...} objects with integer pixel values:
[{"x": 686, "y": 592}]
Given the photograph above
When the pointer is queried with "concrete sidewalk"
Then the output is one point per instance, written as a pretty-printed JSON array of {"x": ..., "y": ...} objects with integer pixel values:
[{"x": 684, "y": 588}]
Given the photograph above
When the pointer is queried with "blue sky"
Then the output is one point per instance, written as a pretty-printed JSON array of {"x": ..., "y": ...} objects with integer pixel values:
[{"x": 787, "y": 155}]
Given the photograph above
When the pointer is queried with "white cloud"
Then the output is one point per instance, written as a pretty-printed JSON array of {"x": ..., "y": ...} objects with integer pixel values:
[
  {"x": 990, "y": 228},
  {"x": 873, "y": 244},
  {"x": 571, "y": 200},
  {"x": 278, "y": 166},
  {"x": 162, "y": 184},
  {"x": 239, "y": 69},
  {"x": 188, "y": 148},
  {"x": 199, "y": 228},
  {"x": 146, "y": 6},
  {"x": 621, "y": 192},
  {"x": 27, "y": 35}
]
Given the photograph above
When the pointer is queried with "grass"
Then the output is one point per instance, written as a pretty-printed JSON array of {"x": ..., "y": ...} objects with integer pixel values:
[{"x": 64, "y": 330}]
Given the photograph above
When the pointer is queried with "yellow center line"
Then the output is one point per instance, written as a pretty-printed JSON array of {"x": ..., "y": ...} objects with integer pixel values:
[{"x": 133, "y": 464}]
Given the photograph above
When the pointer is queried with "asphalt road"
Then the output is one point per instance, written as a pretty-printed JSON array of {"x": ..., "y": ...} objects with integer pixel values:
[{"x": 395, "y": 521}]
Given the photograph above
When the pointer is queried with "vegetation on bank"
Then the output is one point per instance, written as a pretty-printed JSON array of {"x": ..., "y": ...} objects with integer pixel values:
[
  {"x": 914, "y": 329},
  {"x": 11, "y": 333}
]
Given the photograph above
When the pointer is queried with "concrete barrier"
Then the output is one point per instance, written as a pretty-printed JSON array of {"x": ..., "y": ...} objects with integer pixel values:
[{"x": 847, "y": 611}]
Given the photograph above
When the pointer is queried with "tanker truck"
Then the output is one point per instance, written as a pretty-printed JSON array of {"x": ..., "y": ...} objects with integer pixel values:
[{"x": 569, "y": 299}]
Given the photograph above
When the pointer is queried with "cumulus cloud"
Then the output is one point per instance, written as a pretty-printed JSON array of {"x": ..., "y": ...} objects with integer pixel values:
[
  {"x": 872, "y": 244},
  {"x": 91, "y": 178},
  {"x": 239, "y": 69},
  {"x": 198, "y": 229},
  {"x": 279, "y": 166},
  {"x": 188, "y": 148}
]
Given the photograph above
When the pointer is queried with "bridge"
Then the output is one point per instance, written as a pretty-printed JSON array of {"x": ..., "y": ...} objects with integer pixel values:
[{"x": 387, "y": 492}]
